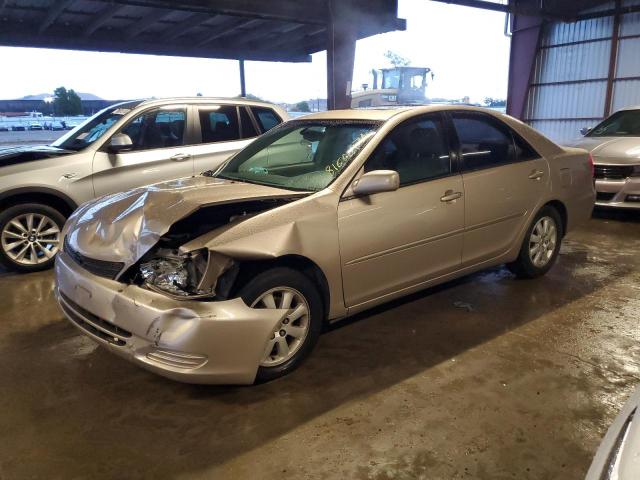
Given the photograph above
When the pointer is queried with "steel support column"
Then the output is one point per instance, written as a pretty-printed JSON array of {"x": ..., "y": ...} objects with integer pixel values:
[
  {"x": 341, "y": 49},
  {"x": 613, "y": 60},
  {"x": 525, "y": 41},
  {"x": 243, "y": 86}
]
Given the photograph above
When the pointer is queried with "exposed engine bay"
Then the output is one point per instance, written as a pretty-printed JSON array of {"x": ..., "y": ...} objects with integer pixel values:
[{"x": 201, "y": 274}]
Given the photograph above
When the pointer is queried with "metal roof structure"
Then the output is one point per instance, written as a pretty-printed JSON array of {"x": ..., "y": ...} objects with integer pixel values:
[
  {"x": 282, "y": 30},
  {"x": 562, "y": 10}
]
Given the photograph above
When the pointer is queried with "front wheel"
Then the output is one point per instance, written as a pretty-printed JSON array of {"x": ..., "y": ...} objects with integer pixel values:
[
  {"x": 29, "y": 237},
  {"x": 540, "y": 246},
  {"x": 298, "y": 330}
]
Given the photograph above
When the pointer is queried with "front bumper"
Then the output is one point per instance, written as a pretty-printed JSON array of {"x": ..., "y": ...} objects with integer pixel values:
[
  {"x": 195, "y": 342},
  {"x": 624, "y": 193}
]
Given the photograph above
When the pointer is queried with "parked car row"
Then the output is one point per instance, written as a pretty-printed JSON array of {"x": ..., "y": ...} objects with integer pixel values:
[
  {"x": 267, "y": 230},
  {"x": 55, "y": 125}
]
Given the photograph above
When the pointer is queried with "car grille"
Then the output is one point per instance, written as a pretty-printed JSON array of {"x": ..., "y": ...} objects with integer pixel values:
[
  {"x": 604, "y": 196},
  {"x": 614, "y": 172},
  {"x": 93, "y": 324},
  {"x": 101, "y": 268}
]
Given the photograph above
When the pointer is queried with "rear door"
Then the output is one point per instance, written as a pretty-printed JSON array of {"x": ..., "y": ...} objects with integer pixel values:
[
  {"x": 158, "y": 152},
  {"x": 220, "y": 131},
  {"x": 504, "y": 181}
]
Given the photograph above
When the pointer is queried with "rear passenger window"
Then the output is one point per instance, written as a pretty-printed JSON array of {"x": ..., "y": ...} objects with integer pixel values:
[
  {"x": 524, "y": 151},
  {"x": 248, "y": 128},
  {"x": 417, "y": 150},
  {"x": 219, "y": 124},
  {"x": 266, "y": 118},
  {"x": 484, "y": 142}
]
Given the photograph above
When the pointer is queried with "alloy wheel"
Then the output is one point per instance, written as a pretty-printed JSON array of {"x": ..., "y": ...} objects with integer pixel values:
[
  {"x": 290, "y": 333},
  {"x": 542, "y": 242},
  {"x": 30, "y": 238}
]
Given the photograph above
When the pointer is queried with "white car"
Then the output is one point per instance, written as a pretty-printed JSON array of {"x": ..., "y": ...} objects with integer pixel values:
[
  {"x": 618, "y": 457},
  {"x": 615, "y": 147},
  {"x": 124, "y": 146}
]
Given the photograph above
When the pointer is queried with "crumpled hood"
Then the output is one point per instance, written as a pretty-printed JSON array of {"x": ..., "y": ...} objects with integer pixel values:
[
  {"x": 29, "y": 153},
  {"x": 122, "y": 227},
  {"x": 611, "y": 149}
]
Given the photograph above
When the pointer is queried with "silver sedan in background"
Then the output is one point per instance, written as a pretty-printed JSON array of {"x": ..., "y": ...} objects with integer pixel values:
[{"x": 615, "y": 147}]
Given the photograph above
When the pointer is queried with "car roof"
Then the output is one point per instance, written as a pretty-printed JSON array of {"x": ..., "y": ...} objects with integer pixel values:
[
  {"x": 386, "y": 113},
  {"x": 217, "y": 100}
]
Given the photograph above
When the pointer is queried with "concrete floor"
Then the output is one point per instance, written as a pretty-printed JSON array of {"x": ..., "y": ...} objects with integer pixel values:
[{"x": 487, "y": 377}]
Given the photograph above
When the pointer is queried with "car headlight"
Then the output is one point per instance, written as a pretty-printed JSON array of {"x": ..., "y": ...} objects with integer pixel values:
[{"x": 179, "y": 275}]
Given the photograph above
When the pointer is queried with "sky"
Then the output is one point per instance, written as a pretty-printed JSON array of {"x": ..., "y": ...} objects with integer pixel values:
[{"x": 465, "y": 48}]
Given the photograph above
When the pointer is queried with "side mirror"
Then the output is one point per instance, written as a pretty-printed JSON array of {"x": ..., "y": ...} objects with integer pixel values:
[
  {"x": 585, "y": 130},
  {"x": 376, "y": 182},
  {"x": 120, "y": 142}
]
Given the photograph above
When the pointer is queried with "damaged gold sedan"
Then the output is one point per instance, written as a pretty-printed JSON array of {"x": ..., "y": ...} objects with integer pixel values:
[{"x": 229, "y": 277}]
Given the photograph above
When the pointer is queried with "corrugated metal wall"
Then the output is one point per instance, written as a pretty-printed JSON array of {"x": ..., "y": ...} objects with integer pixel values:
[{"x": 568, "y": 90}]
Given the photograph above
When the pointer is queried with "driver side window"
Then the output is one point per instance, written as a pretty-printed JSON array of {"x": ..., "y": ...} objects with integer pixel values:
[
  {"x": 417, "y": 150},
  {"x": 157, "y": 129}
]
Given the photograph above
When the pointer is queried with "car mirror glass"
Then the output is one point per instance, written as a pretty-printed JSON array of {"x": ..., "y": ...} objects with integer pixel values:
[
  {"x": 376, "y": 182},
  {"x": 120, "y": 142}
]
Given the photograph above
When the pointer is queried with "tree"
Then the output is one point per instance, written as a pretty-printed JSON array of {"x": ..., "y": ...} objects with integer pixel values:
[
  {"x": 302, "y": 107},
  {"x": 396, "y": 59},
  {"x": 66, "y": 102},
  {"x": 495, "y": 102},
  {"x": 75, "y": 103}
]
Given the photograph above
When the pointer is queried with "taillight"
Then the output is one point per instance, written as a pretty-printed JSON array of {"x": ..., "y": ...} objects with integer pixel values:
[{"x": 593, "y": 168}]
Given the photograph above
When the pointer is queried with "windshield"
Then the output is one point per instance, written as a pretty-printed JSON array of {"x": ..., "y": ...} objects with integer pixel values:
[
  {"x": 300, "y": 155},
  {"x": 93, "y": 128},
  {"x": 625, "y": 123},
  {"x": 391, "y": 78}
]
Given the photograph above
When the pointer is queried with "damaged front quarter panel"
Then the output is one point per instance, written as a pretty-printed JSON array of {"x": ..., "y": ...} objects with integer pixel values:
[{"x": 298, "y": 229}]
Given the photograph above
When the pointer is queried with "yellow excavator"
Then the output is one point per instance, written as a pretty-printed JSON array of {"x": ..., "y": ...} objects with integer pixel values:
[{"x": 393, "y": 86}]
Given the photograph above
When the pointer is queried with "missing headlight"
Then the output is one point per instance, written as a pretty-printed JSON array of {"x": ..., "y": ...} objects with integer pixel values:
[
  {"x": 167, "y": 274},
  {"x": 184, "y": 276}
]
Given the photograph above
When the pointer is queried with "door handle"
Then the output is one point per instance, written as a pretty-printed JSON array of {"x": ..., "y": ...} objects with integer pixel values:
[
  {"x": 536, "y": 175},
  {"x": 450, "y": 196},
  {"x": 180, "y": 157}
]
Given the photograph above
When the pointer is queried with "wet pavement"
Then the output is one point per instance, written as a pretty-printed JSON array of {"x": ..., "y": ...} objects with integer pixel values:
[{"x": 486, "y": 377}]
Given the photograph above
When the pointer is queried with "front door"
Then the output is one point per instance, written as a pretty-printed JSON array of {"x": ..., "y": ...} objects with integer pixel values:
[
  {"x": 395, "y": 240},
  {"x": 158, "y": 153},
  {"x": 504, "y": 181}
]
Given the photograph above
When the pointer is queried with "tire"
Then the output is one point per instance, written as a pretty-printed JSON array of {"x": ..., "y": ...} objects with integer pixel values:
[
  {"x": 526, "y": 265},
  {"x": 303, "y": 292},
  {"x": 45, "y": 246}
]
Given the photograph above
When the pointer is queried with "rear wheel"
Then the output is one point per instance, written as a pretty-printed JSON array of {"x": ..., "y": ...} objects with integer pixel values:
[
  {"x": 298, "y": 330},
  {"x": 30, "y": 237},
  {"x": 540, "y": 246}
]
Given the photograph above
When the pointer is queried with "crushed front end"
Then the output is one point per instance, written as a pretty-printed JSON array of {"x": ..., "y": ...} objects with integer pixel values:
[{"x": 163, "y": 308}]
